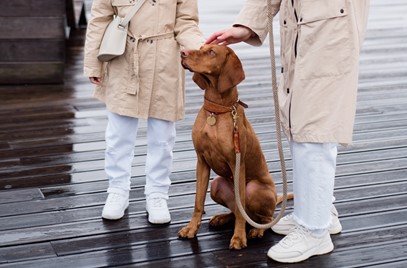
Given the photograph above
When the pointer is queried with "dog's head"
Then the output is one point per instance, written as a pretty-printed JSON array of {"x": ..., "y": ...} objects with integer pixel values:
[{"x": 214, "y": 66}]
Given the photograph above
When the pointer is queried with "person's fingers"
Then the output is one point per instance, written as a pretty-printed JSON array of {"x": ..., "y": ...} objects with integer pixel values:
[
  {"x": 224, "y": 39},
  {"x": 214, "y": 38},
  {"x": 230, "y": 36}
]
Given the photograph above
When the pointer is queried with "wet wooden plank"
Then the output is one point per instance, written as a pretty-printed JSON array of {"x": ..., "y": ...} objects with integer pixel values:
[
  {"x": 14, "y": 196},
  {"x": 83, "y": 244},
  {"x": 157, "y": 249},
  {"x": 349, "y": 191},
  {"x": 26, "y": 252},
  {"x": 350, "y": 257},
  {"x": 92, "y": 225}
]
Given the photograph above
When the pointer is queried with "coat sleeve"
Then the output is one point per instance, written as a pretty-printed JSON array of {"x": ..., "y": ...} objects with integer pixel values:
[
  {"x": 254, "y": 16},
  {"x": 101, "y": 14},
  {"x": 186, "y": 28}
]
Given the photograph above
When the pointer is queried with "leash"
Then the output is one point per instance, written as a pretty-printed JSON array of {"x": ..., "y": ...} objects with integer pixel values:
[{"x": 278, "y": 131}]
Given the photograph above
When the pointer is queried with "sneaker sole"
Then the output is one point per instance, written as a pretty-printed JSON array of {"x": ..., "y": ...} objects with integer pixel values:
[
  {"x": 159, "y": 222},
  {"x": 162, "y": 221},
  {"x": 335, "y": 229},
  {"x": 332, "y": 230},
  {"x": 321, "y": 250}
]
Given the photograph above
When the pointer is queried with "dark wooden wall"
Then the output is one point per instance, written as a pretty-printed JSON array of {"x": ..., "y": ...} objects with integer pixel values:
[{"x": 33, "y": 40}]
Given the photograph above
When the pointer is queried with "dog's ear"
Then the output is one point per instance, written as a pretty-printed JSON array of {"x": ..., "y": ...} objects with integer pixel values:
[
  {"x": 232, "y": 72},
  {"x": 200, "y": 80}
]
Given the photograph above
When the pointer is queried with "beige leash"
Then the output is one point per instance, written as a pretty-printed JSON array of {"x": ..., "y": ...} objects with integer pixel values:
[{"x": 278, "y": 131}]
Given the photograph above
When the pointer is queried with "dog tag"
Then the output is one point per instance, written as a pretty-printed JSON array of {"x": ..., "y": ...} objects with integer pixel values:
[{"x": 211, "y": 120}]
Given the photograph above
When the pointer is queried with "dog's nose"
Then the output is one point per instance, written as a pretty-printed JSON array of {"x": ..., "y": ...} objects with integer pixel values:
[{"x": 184, "y": 53}]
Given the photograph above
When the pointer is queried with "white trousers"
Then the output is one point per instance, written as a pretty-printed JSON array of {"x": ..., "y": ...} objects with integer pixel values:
[
  {"x": 121, "y": 133},
  {"x": 314, "y": 167}
]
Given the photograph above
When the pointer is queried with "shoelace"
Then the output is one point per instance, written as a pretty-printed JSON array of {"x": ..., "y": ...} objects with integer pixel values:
[
  {"x": 114, "y": 198},
  {"x": 296, "y": 234},
  {"x": 157, "y": 202},
  {"x": 288, "y": 217}
]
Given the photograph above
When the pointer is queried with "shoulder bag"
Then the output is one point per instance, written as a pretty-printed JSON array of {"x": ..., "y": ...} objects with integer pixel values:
[{"x": 114, "y": 39}]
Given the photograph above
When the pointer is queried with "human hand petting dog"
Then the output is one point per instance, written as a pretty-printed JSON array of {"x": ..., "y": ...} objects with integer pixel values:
[{"x": 231, "y": 35}]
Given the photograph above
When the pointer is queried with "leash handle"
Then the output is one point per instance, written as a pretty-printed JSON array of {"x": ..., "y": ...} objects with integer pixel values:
[{"x": 279, "y": 142}]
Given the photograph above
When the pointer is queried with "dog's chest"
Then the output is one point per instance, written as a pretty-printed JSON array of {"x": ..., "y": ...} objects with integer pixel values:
[
  {"x": 216, "y": 152},
  {"x": 214, "y": 142},
  {"x": 212, "y": 137}
]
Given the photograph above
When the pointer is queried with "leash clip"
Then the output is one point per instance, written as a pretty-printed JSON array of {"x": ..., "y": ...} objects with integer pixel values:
[{"x": 235, "y": 117}]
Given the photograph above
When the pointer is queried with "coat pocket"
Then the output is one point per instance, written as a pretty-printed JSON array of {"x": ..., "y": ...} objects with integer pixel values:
[
  {"x": 287, "y": 31},
  {"x": 316, "y": 10},
  {"x": 325, "y": 47}
]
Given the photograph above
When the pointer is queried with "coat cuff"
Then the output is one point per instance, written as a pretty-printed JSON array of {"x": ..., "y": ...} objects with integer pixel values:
[
  {"x": 93, "y": 71},
  {"x": 254, "y": 15}
]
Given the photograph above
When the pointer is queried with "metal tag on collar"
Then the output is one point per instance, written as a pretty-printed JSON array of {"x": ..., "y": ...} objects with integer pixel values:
[{"x": 211, "y": 120}]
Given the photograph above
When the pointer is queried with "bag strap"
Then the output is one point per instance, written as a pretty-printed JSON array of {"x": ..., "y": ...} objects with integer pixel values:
[{"x": 132, "y": 12}]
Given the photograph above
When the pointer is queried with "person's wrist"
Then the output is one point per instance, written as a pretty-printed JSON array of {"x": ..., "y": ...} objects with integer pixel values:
[{"x": 250, "y": 32}]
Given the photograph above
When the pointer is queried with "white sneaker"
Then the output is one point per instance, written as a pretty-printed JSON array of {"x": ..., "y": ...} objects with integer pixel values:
[
  {"x": 299, "y": 245},
  {"x": 157, "y": 209},
  {"x": 116, "y": 203},
  {"x": 285, "y": 224}
]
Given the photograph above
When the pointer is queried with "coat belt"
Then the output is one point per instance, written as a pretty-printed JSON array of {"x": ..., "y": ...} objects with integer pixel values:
[{"x": 147, "y": 38}]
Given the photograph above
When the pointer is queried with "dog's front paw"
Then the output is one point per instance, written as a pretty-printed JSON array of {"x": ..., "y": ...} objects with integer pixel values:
[
  {"x": 255, "y": 233},
  {"x": 238, "y": 242},
  {"x": 188, "y": 232}
]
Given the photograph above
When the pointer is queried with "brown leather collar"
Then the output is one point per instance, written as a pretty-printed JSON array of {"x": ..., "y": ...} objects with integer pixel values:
[{"x": 215, "y": 108}]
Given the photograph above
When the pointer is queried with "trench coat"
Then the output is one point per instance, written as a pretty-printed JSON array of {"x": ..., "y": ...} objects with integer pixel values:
[
  {"x": 320, "y": 47},
  {"x": 148, "y": 79}
]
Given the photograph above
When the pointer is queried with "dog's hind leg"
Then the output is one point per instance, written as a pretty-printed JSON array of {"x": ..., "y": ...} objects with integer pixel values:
[
  {"x": 222, "y": 192},
  {"x": 222, "y": 219}
]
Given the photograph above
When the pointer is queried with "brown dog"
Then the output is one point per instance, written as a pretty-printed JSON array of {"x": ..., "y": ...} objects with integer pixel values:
[{"x": 220, "y": 130}]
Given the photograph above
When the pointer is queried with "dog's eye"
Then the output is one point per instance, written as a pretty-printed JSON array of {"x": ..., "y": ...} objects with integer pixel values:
[{"x": 212, "y": 52}]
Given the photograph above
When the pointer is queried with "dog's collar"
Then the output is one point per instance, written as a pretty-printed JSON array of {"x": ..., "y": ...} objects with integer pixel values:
[{"x": 215, "y": 108}]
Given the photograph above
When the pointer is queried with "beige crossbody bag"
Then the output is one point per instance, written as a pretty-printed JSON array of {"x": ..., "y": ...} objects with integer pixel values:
[{"x": 114, "y": 39}]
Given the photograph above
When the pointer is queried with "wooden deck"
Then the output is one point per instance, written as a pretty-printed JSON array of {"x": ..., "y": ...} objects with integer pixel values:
[{"x": 52, "y": 183}]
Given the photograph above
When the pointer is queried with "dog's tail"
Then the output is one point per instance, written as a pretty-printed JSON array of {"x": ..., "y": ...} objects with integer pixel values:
[{"x": 290, "y": 196}]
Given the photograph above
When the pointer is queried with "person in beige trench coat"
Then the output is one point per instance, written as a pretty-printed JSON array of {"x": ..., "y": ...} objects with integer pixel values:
[
  {"x": 320, "y": 46},
  {"x": 146, "y": 82}
]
